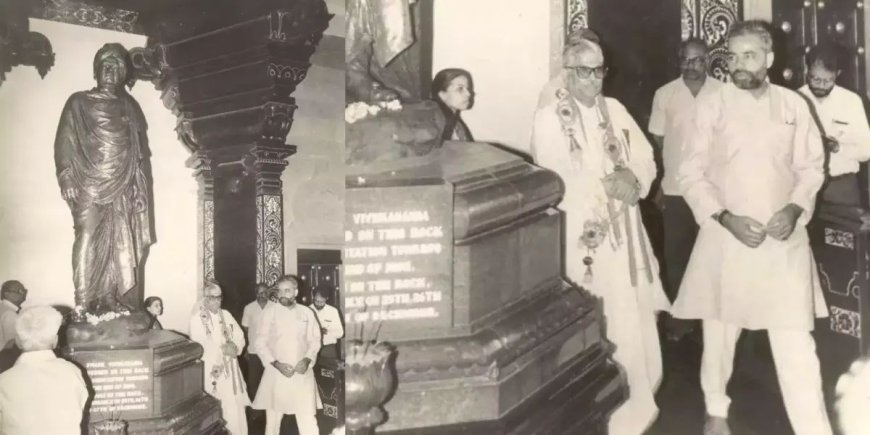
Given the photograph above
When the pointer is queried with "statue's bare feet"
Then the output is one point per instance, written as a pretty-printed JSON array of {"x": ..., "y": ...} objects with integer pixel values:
[
  {"x": 78, "y": 314},
  {"x": 381, "y": 94}
]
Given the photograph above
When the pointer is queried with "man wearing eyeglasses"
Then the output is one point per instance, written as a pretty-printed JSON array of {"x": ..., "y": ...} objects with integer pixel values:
[
  {"x": 672, "y": 111},
  {"x": 842, "y": 122},
  {"x": 752, "y": 167},
  {"x": 12, "y": 295},
  {"x": 607, "y": 165},
  {"x": 288, "y": 340}
]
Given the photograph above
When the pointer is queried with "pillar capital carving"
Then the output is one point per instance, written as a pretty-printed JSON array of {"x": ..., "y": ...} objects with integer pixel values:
[
  {"x": 229, "y": 79},
  {"x": 18, "y": 45}
]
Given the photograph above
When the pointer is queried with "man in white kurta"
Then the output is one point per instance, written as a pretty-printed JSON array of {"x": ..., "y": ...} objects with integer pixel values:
[
  {"x": 751, "y": 172},
  {"x": 287, "y": 340},
  {"x": 607, "y": 165},
  {"x": 222, "y": 342},
  {"x": 843, "y": 121},
  {"x": 41, "y": 393}
]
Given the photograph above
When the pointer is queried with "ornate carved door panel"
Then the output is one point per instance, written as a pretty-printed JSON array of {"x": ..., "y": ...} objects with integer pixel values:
[{"x": 800, "y": 25}]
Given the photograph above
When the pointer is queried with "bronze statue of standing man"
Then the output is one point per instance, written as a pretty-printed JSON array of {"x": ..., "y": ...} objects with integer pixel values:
[{"x": 100, "y": 153}]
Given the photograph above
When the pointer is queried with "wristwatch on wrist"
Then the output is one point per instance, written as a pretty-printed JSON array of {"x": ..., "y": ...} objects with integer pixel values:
[{"x": 719, "y": 215}]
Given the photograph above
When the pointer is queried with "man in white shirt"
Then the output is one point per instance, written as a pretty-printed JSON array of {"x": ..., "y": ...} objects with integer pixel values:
[
  {"x": 12, "y": 295},
  {"x": 843, "y": 124},
  {"x": 752, "y": 167},
  {"x": 330, "y": 324},
  {"x": 672, "y": 113},
  {"x": 287, "y": 340},
  {"x": 41, "y": 394},
  {"x": 250, "y": 321}
]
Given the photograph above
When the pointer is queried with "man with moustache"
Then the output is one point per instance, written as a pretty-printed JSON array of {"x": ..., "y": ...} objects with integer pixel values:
[
  {"x": 607, "y": 165},
  {"x": 288, "y": 340},
  {"x": 672, "y": 112},
  {"x": 843, "y": 123},
  {"x": 330, "y": 324},
  {"x": 752, "y": 168}
]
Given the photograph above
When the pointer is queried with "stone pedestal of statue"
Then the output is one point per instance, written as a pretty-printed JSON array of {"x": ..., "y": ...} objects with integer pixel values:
[
  {"x": 456, "y": 260},
  {"x": 152, "y": 381}
]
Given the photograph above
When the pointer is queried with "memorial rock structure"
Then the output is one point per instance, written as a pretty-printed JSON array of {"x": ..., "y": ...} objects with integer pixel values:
[{"x": 454, "y": 257}]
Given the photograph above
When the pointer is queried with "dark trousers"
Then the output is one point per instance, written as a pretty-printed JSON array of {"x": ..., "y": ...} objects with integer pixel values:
[
  {"x": 255, "y": 373},
  {"x": 680, "y": 231}
]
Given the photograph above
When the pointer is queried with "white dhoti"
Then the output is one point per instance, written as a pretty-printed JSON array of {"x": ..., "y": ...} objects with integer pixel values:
[
  {"x": 222, "y": 378},
  {"x": 624, "y": 271}
]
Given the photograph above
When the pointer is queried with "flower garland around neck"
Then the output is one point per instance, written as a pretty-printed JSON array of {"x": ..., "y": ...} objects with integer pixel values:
[
  {"x": 226, "y": 367},
  {"x": 604, "y": 211}
]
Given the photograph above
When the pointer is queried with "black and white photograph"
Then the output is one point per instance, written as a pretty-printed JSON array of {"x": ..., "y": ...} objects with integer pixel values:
[
  {"x": 606, "y": 217},
  {"x": 172, "y": 213},
  {"x": 489, "y": 217}
]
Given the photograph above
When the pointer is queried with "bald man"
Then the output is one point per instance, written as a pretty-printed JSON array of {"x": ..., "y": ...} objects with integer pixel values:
[
  {"x": 12, "y": 295},
  {"x": 607, "y": 165},
  {"x": 41, "y": 393},
  {"x": 250, "y": 320},
  {"x": 672, "y": 112}
]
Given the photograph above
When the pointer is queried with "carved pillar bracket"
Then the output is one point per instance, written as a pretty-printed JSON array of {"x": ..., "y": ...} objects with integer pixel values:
[
  {"x": 18, "y": 45},
  {"x": 229, "y": 80},
  {"x": 202, "y": 170}
]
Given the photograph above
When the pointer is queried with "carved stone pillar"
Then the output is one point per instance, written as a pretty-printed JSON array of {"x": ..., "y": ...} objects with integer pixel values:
[
  {"x": 269, "y": 163},
  {"x": 230, "y": 85},
  {"x": 201, "y": 166}
]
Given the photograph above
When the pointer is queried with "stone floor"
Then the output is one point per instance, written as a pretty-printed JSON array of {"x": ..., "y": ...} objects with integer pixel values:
[
  {"x": 756, "y": 407},
  {"x": 257, "y": 424}
]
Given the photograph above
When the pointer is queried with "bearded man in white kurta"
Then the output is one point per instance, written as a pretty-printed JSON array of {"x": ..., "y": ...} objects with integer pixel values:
[
  {"x": 606, "y": 164},
  {"x": 287, "y": 340},
  {"x": 222, "y": 342},
  {"x": 752, "y": 169}
]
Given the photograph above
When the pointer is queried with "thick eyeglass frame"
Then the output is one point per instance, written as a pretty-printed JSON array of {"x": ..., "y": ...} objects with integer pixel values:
[
  {"x": 815, "y": 81},
  {"x": 584, "y": 72},
  {"x": 697, "y": 60}
]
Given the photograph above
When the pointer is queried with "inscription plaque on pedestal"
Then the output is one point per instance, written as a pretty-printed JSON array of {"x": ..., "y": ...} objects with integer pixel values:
[
  {"x": 398, "y": 258},
  {"x": 122, "y": 382},
  {"x": 153, "y": 382},
  {"x": 455, "y": 260}
]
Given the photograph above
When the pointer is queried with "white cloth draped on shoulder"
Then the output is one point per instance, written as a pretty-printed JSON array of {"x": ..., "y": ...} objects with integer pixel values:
[
  {"x": 624, "y": 271},
  {"x": 222, "y": 377}
]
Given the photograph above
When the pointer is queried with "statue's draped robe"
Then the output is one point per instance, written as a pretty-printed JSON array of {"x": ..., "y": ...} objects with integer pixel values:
[
  {"x": 380, "y": 34},
  {"x": 99, "y": 150}
]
